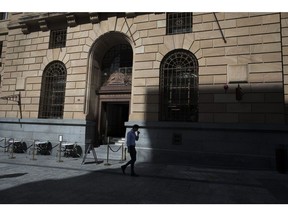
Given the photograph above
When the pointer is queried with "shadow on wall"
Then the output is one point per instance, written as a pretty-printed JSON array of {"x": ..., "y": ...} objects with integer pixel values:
[{"x": 230, "y": 133}]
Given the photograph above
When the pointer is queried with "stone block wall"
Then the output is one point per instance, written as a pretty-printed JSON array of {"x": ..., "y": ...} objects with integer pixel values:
[
  {"x": 252, "y": 53},
  {"x": 251, "y": 57}
]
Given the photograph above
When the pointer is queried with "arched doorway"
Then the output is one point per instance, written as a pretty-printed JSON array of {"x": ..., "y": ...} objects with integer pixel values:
[{"x": 110, "y": 84}]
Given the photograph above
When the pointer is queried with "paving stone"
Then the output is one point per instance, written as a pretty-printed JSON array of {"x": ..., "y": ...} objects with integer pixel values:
[{"x": 47, "y": 181}]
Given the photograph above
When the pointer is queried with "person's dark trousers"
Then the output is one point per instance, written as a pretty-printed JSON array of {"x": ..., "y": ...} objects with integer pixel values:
[{"x": 132, "y": 151}]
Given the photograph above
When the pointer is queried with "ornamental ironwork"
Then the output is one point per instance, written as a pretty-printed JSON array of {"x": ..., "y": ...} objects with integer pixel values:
[
  {"x": 179, "y": 87},
  {"x": 179, "y": 23},
  {"x": 117, "y": 66},
  {"x": 53, "y": 91},
  {"x": 57, "y": 38}
]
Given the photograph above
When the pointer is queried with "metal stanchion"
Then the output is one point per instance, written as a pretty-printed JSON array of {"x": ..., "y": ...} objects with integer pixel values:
[
  {"x": 12, "y": 149},
  {"x": 122, "y": 153},
  {"x": 6, "y": 147},
  {"x": 33, "y": 151},
  {"x": 123, "y": 156},
  {"x": 59, "y": 152},
  {"x": 60, "y": 147},
  {"x": 107, "y": 163}
]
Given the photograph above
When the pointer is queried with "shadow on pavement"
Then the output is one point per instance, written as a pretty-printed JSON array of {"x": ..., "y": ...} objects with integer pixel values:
[
  {"x": 12, "y": 175},
  {"x": 46, "y": 181},
  {"x": 156, "y": 185}
]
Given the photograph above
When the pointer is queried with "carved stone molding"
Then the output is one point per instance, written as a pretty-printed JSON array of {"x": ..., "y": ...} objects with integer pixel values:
[
  {"x": 71, "y": 20},
  {"x": 25, "y": 29},
  {"x": 118, "y": 78},
  {"x": 130, "y": 14},
  {"x": 94, "y": 17},
  {"x": 43, "y": 25}
]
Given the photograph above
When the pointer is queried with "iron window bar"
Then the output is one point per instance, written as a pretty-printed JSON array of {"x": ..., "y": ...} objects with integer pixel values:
[
  {"x": 178, "y": 23},
  {"x": 53, "y": 91},
  {"x": 118, "y": 59},
  {"x": 57, "y": 38},
  {"x": 3, "y": 16},
  {"x": 179, "y": 87}
]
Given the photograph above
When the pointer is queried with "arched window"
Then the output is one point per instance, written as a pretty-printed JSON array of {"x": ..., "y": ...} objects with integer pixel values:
[
  {"x": 117, "y": 65},
  {"x": 179, "y": 86},
  {"x": 53, "y": 91}
]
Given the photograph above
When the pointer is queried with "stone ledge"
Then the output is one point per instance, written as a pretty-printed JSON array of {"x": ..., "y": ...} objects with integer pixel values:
[{"x": 72, "y": 122}]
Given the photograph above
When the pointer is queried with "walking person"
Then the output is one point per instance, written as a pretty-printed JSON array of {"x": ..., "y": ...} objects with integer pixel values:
[{"x": 132, "y": 137}]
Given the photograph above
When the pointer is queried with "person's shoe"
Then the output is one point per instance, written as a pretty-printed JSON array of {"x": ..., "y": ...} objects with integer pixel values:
[
  {"x": 134, "y": 175},
  {"x": 123, "y": 169}
]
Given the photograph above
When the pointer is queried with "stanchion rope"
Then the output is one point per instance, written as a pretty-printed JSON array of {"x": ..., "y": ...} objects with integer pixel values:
[
  {"x": 113, "y": 150},
  {"x": 55, "y": 146},
  {"x": 6, "y": 146}
]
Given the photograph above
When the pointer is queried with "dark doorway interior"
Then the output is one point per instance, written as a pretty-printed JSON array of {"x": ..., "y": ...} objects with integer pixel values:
[{"x": 115, "y": 115}]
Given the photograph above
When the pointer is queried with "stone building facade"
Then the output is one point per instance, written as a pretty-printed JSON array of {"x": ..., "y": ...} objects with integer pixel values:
[{"x": 204, "y": 87}]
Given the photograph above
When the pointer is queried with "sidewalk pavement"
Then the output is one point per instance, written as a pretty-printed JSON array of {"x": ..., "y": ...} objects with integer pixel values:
[{"x": 47, "y": 181}]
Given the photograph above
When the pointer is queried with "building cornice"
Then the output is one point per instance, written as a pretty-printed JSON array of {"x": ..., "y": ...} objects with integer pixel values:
[{"x": 29, "y": 22}]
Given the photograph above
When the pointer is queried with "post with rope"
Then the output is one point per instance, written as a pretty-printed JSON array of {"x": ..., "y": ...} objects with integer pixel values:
[
  {"x": 60, "y": 147},
  {"x": 107, "y": 163},
  {"x": 123, "y": 151},
  {"x": 12, "y": 149},
  {"x": 33, "y": 151},
  {"x": 7, "y": 146},
  {"x": 4, "y": 147},
  {"x": 123, "y": 155}
]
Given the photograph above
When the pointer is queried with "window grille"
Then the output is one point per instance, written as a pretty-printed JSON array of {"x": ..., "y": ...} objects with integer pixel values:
[
  {"x": 3, "y": 16},
  {"x": 53, "y": 91},
  {"x": 57, "y": 38},
  {"x": 179, "y": 87},
  {"x": 179, "y": 23},
  {"x": 118, "y": 59}
]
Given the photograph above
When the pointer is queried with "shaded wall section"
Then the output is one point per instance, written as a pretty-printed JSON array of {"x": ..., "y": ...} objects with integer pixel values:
[{"x": 230, "y": 133}]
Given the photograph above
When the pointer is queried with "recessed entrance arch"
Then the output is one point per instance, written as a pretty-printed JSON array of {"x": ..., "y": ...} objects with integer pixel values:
[{"x": 109, "y": 84}]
